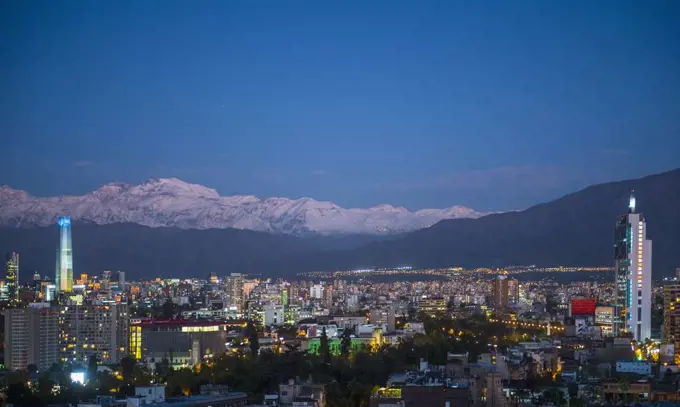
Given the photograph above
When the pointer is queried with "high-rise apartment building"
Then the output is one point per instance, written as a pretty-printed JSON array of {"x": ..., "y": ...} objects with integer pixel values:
[
  {"x": 671, "y": 312},
  {"x": 328, "y": 296},
  {"x": 93, "y": 329},
  {"x": 513, "y": 291},
  {"x": 293, "y": 295},
  {"x": 501, "y": 291},
  {"x": 31, "y": 336},
  {"x": 234, "y": 288},
  {"x": 633, "y": 275},
  {"x": 12, "y": 276},
  {"x": 64, "y": 272}
]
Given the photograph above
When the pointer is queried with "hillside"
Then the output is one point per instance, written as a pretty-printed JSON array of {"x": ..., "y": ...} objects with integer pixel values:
[{"x": 576, "y": 229}]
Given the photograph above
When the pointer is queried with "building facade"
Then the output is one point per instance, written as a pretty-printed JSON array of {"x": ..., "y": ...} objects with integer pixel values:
[
  {"x": 234, "y": 288},
  {"x": 182, "y": 342},
  {"x": 12, "y": 276},
  {"x": 64, "y": 271},
  {"x": 501, "y": 291},
  {"x": 31, "y": 336},
  {"x": 633, "y": 275},
  {"x": 93, "y": 329},
  {"x": 671, "y": 314}
]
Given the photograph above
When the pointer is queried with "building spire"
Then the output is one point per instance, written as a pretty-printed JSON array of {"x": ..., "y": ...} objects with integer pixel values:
[{"x": 631, "y": 202}]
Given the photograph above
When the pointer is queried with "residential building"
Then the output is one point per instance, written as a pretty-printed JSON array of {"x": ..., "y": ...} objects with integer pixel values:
[
  {"x": 671, "y": 314},
  {"x": 31, "y": 336},
  {"x": 234, "y": 288},
  {"x": 93, "y": 329},
  {"x": 501, "y": 291}
]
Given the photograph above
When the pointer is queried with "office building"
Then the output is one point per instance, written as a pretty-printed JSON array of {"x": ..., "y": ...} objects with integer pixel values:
[
  {"x": 604, "y": 318},
  {"x": 633, "y": 275},
  {"x": 64, "y": 272},
  {"x": 432, "y": 306},
  {"x": 182, "y": 342},
  {"x": 3, "y": 291},
  {"x": 31, "y": 336},
  {"x": 106, "y": 279},
  {"x": 12, "y": 276},
  {"x": 93, "y": 329},
  {"x": 121, "y": 280}
]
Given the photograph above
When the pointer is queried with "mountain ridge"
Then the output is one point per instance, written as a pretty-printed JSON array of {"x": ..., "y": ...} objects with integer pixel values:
[
  {"x": 170, "y": 202},
  {"x": 575, "y": 230}
]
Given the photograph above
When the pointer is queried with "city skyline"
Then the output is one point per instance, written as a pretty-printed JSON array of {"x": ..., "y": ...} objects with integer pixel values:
[
  {"x": 340, "y": 204},
  {"x": 494, "y": 107}
]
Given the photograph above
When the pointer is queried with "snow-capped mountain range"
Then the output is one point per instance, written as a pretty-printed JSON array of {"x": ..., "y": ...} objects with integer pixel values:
[{"x": 173, "y": 202}]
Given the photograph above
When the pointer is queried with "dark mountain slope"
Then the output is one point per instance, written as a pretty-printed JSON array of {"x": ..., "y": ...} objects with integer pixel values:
[{"x": 576, "y": 229}]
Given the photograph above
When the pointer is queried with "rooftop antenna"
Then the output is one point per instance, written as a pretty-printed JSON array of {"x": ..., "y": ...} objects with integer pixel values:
[{"x": 631, "y": 202}]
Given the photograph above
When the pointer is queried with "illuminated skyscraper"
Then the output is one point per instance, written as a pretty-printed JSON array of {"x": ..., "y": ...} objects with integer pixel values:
[
  {"x": 633, "y": 275},
  {"x": 12, "y": 276},
  {"x": 64, "y": 272}
]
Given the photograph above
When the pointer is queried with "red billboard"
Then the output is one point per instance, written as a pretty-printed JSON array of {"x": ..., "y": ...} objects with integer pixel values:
[{"x": 583, "y": 307}]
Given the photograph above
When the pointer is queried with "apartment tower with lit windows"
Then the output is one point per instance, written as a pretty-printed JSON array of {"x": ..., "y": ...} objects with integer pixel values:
[{"x": 633, "y": 275}]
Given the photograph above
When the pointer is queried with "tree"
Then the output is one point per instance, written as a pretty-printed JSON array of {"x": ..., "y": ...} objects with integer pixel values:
[
  {"x": 92, "y": 368},
  {"x": 168, "y": 309},
  {"x": 128, "y": 368},
  {"x": 162, "y": 369},
  {"x": 345, "y": 344},
  {"x": 253, "y": 340},
  {"x": 324, "y": 348},
  {"x": 554, "y": 396}
]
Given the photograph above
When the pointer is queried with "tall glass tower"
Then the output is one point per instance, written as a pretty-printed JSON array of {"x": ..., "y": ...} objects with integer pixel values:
[
  {"x": 633, "y": 275},
  {"x": 12, "y": 274},
  {"x": 64, "y": 273}
]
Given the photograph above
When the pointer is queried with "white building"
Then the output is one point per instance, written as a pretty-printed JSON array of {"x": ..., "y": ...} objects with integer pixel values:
[
  {"x": 273, "y": 315},
  {"x": 316, "y": 291},
  {"x": 634, "y": 366},
  {"x": 633, "y": 275}
]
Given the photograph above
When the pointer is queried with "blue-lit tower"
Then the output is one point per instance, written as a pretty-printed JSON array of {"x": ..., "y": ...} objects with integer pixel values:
[{"x": 64, "y": 273}]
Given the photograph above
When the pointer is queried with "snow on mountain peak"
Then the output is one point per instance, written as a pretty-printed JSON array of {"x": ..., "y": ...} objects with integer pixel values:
[
  {"x": 175, "y": 186},
  {"x": 172, "y": 202}
]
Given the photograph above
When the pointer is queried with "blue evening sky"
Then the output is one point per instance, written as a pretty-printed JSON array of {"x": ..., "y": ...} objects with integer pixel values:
[{"x": 491, "y": 104}]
